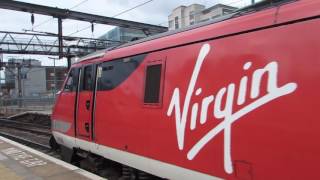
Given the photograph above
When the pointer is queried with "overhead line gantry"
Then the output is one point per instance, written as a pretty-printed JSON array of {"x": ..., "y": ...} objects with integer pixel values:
[{"x": 61, "y": 14}]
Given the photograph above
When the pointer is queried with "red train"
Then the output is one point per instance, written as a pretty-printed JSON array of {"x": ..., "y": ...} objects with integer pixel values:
[{"x": 237, "y": 99}]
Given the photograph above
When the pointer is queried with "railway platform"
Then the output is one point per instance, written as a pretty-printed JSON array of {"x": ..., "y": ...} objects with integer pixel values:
[{"x": 19, "y": 162}]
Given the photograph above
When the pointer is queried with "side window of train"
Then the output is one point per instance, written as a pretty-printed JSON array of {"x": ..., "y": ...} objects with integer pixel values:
[
  {"x": 87, "y": 84},
  {"x": 112, "y": 73},
  {"x": 154, "y": 76},
  {"x": 72, "y": 81}
]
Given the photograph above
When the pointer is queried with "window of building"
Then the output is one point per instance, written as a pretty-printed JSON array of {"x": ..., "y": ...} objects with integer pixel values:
[
  {"x": 112, "y": 73},
  {"x": 171, "y": 24},
  {"x": 227, "y": 11},
  {"x": 216, "y": 16},
  {"x": 24, "y": 76},
  {"x": 176, "y": 22},
  {"x": 88, "y": 79},
  {"x": 191, "y": 15},
  {"x": 152, "y": 84}
]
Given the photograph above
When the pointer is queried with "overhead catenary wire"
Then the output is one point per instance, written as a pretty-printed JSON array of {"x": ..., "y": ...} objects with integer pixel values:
[
  {"x": 52, "y": 18},
  {"x": 80, "y": 3},
  {"x": 130, "y": 9},
  {"x": 116, "y": 15}
]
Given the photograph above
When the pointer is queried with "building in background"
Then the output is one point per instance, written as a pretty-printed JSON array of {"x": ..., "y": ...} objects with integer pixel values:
[
  {"x": 123, "y": 34},
  {"x": 184, "y": 16},
  {"x": 55, "y": 75},
  {"x": 36, "y": 80}
]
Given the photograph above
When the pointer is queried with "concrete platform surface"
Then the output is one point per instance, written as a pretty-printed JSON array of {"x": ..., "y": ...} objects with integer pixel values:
[{"x": 19, "y": 162}]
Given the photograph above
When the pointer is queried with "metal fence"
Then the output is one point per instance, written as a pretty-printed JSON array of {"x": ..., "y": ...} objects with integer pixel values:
[
  {"x": 10, "y": 106},
  {"x": 30, "y": 101},
  {"x": 19, "y": 105}
]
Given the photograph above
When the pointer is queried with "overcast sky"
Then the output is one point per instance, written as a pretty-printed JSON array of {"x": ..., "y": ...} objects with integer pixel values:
[{"x": 155, "y": 12}]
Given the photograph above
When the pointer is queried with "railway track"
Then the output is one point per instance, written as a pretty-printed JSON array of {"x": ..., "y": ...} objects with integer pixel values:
[
  {"x": 30, "y": 142},
  {"x": 24, "y": 123},
  {"x": 29, "y": 127},
  {"x": 30, "y": 134},
  {"x": 25, "y": 141}
]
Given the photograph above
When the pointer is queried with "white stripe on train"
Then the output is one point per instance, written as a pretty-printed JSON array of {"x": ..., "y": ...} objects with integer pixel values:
[{"x": 155, "y": 167}]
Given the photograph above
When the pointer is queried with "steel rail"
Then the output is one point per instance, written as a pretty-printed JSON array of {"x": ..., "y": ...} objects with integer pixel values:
[
  {"x": 25, "y": 141},
  {"x": 27, "y": 127}
]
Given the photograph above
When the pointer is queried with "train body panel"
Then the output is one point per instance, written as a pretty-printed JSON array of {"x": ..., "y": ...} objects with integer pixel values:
[{"x": 236, "y": 106}]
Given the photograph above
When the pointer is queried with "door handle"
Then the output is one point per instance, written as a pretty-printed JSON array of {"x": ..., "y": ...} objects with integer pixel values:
[
  {"x": 86, "y": 126},
  {"x": 88, "y": 104}
]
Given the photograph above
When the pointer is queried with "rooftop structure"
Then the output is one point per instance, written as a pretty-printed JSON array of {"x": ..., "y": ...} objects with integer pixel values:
[
  {"x": 120, "y": 34},
  {"x": 184, "y": 16}
]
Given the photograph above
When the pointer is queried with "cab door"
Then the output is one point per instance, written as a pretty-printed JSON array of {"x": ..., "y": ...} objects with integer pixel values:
[{"x": 85, "y": 101}]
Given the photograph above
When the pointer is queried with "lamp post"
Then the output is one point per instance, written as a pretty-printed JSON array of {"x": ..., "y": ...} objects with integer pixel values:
[
  {"x": 1, "y": 64},
  {"x": 0, "y": 81},
  {"x": 54, "y": 74}
]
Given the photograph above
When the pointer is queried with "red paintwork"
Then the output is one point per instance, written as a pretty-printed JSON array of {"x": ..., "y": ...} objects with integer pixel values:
[
  {"x": 64, "y": 109},
  {"x": 279, "y": 140}
]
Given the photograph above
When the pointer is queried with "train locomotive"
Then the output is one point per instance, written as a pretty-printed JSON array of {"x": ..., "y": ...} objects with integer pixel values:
[{"x": 236, "y": 98}]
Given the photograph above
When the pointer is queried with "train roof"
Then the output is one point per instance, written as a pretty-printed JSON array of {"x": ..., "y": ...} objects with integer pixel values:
[{"x": 229, "y": 24}]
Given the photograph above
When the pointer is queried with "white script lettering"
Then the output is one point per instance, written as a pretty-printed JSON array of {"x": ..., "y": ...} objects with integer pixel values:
[{"x": 225, "y": 113}]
